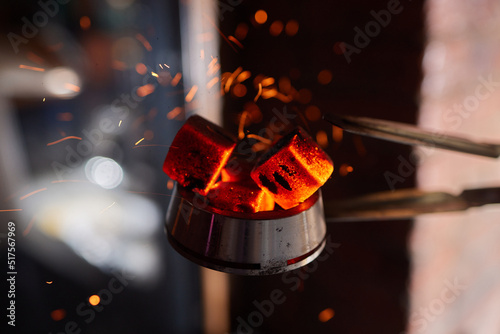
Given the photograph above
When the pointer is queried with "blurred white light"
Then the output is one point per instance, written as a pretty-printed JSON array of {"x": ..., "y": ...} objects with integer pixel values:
[
  {"x": 104, "y": 172},
  {"x": 62, "y": 82}
]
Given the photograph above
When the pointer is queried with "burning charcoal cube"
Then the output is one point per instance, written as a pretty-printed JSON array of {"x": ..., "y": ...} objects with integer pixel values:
[
  {"x": 243, "y": 196},
  {"x": 293, "y": 169},
  {"x": 197, "y": 154}
]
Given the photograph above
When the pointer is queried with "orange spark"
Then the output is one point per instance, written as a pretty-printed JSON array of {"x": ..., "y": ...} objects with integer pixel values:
[
  {"x": 212, "y": 62},
  {"x": 154, "y": 74},
  {"x": 235, "y": 41},
  {"x": 118, "y": 65},
  {"x": 258, "y": 93},
  {"x": 26, "y": 67},
  {"x": 106, "y": 208},
  {"x": 30, "y": 225},
  {"x": 85, "y": 22},
  {"x": 166, "y": 66},
  {"x": 220, "y": 32},
  {"x": 190, "y": 95},
  {"x": 324, "y": 77},
  {"x": 326, "y": 315},
  {"x": 267, "y": 82},
  {"x": 62, "y": 181},
  {"x": 313, "y": 113},
  {"x": 174, "y": 113},
  {"x": 276, "y": 28},
  {"x": 239, "y": 90},
  {"x": 261, "y": 139},
  {"x": 72, "y": 87},
  {"x": 212, "y": 70},
  {"x": 34, "y": 58},
  {"x": 145, "y": 90},
  {"x": 268, "y": 93},
  {"x": 139, "y": 141},
  {"x": 231, "y": 79},
  {"x": 141, "y": 68},
  {"x": 176, "y": 79},
  {"x": 32, "y": 193},
  {"x": 202, "y": 54},
  {"x": 144, "y": 42},
  {"x": 10, "y": 210},
  {"x": 58, "y": 315},
  {"x": 170, "y": 184},
  {"x": 260, "y": 16},
  {"x": 337, "y": 134},
  {"x": 241, "y": 31},
  {"x": 241, "y": 126},
  {"x": 345, "y": 169},
  {"x": 49, "y": 282},
  {"x": 94, "y": 300},
  {"x": 62, "y": 139},
  {"x": 322, "y": 139},
  {"x": 243, "y": 76},
  {"x": 212, "y": 82},
  {"x": 292, "y": 27}
]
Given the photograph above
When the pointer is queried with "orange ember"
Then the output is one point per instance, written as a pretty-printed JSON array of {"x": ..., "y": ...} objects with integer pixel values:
[
  {"x": 197, "y": 154},
  {"x": 293, "y": 169},
  {"x": 261, "y": 16},
  {"x": 243, "y": 196},
  {"x": 326, "y": 315}
]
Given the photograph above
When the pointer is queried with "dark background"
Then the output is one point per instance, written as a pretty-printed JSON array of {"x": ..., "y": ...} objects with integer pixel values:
[{"x": 365, "y": 280}]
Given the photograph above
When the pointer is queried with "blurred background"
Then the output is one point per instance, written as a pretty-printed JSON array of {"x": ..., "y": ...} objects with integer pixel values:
[{"x": 93, "y": 92}]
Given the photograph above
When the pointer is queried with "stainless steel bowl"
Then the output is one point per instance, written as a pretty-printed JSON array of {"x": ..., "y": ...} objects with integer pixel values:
[{"x": 262, "y": 243}]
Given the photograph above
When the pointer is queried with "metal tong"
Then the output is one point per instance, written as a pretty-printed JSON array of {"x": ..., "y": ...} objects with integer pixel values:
[{"x": 409, "y": 203}]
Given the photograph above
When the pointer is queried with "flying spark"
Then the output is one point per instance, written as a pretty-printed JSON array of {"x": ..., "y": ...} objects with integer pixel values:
[
  {"x": 139, "y": 141},
  {"x": 192, "y": 92},
  {"x": 32, "y": 193},
  {"x": 258, "y": 93},
  {"x": 26, "y": 67},
  {"x": 63, "y": 139},
  {"x": 144, "y": 42}
]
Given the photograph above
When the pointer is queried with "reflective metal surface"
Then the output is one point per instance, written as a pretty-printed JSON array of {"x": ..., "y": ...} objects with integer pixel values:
[{"x": 260, "y": 243}]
